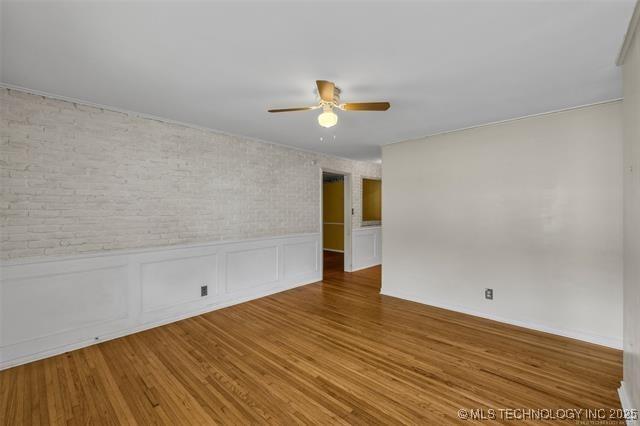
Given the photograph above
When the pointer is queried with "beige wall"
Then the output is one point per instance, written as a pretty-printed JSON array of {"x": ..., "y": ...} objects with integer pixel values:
[
  {"x": 78, "y": 179},
  {"x": 631, "y": 107},
  {"x": 531, "y": 208}
]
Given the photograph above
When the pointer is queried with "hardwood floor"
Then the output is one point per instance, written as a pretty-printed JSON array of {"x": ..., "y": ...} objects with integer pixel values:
[
  {"x": 333, "y": 264},
  {"x": 334, "y": 352}
]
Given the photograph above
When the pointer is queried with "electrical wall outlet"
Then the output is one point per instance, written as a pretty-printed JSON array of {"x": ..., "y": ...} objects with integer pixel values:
[
  {"x": 488, "y": 293},
  {"x": 204, "y": 291}
]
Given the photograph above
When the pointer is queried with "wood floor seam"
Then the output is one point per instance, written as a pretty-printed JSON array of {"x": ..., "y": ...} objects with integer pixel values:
[{"x": 333, "y": 352}]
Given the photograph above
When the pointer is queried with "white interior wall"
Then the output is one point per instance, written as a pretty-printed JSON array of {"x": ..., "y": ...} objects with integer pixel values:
[
  {"x": 79, "y": 179},
  {"x": 52, "y": 305},
  {"x": 631, "y": 119},
  {"x": 111, "y": 222},
  {"x": 531, "y": 208}
]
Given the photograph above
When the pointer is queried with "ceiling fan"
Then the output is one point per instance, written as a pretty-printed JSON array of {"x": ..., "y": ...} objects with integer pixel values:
[{"x": 329, "y": 99}]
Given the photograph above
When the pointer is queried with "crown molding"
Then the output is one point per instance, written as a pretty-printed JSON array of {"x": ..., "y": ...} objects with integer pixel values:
[
  {"x": 631, "y": 31},
  {"x": 146, "y": 116},
  {"x": 508, "y": 120}
]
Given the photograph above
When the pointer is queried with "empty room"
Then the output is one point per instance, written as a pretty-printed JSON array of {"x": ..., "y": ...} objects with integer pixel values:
[{"x": 319, "y": 212}]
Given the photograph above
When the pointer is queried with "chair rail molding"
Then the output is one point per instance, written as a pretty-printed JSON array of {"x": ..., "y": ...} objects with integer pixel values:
[{"x": 52, "y": 305}]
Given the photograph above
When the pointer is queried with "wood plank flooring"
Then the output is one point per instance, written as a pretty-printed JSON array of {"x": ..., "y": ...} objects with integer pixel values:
[{"x": 333, "y": 352}]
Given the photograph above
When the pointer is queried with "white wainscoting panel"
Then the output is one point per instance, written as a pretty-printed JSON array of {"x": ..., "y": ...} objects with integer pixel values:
[
  {"x": 52, "y": 305},
  {"x": 301, "y": 258},
  {"x": 55, "y": 298},
  {"x": 252, "y": 267},
  {"x": 367, "y": 247},
  {"x": 168, "y": 283}
]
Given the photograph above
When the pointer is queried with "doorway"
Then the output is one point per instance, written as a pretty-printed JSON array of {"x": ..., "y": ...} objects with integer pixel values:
[{"x": 336, "y": 222}]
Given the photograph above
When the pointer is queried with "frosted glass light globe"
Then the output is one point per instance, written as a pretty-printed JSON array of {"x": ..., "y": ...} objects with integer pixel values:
[{"x": 328, "y": 119}]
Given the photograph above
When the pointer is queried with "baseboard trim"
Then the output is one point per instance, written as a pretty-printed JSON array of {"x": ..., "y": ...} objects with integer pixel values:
[
  {"x": 625, "y": 401},
  {"x": 60, "y": 304},
  {"x": 136, "y": 329},
  {"x": 361, "y": 267},
  {"x": 585, "y": 337}
]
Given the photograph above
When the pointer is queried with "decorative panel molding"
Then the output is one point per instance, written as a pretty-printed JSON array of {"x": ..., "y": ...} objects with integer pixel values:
[
  {"x": 49, "y": 306},
  {"x": 167, "y": 283},
  {"x": 44, "y": 305},
  {"x": 300, "y": 258},
  {"x": 251, "y": 268},
  {"x": 367, "y": 247}
]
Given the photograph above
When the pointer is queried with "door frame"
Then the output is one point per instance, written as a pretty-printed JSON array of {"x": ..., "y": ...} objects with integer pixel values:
[{"x": 347, "y": 217}]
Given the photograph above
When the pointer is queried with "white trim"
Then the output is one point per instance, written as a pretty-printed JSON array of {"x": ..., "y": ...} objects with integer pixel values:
[
  {"x": 124, "y": 252},
  {"x": 56, "y": 305},
  {"x": 347, "y": 216},
  {"x": 167, "y": 120},
  {"x": 79, "y": 345},
  {"x": 371, "y": 224},
  {"x": 508, "y": 120},
  {"x": 368, "y": 227},
  {"x": 360, "y": 268},
  {"x": 586, "y": 337},
  {"x": 625, "y": 401},
  {"x": 367, "y": 247},
  {"x": 628, "y": 38},
  {"x": 253, "y": 139},
  {"x": 348, "y": 222},
  {"x": 332, "y": 250}
]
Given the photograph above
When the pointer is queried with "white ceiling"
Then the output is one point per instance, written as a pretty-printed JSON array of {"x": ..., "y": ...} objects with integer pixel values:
[{"x": 442, "y": 65}]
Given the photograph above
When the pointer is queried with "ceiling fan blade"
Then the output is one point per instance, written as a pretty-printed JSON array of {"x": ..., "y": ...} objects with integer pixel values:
[
  {"x": 366, "y": 106},
  {"x": 293, "y": 109},
  {"x": 326, "y": 90}
]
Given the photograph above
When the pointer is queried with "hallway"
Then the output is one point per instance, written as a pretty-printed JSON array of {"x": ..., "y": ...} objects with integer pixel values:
[{"x": 333, "y": 264}]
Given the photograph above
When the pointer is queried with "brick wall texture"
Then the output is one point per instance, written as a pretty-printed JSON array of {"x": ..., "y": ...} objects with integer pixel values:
[{"x": 78, "y": 179}]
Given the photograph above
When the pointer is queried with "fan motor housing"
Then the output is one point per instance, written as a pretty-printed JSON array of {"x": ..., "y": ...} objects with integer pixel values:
[{"x": 336, "y": 95}]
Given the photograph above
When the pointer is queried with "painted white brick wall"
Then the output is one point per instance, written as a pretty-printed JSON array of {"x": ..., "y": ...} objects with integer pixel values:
[{"x": 77, "y": 179}]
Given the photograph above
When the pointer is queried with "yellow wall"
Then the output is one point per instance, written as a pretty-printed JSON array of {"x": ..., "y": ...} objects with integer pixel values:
[
  {"x": 333, "y": 212},
  {"x": 371, "y": 199}
]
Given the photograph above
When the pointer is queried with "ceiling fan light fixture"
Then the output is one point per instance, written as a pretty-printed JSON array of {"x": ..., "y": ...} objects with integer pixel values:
[
  {"x": 329, "y": 96},
  {"x": 328, "y": 118}
]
